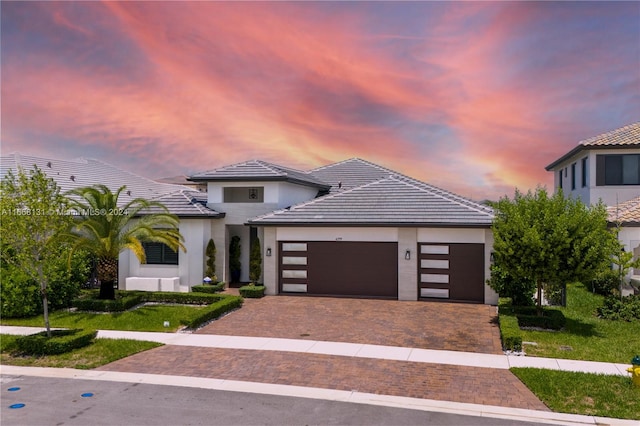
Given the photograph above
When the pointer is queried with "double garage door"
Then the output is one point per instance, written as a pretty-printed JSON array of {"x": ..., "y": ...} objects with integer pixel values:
[{"x": 370, "y": 269}]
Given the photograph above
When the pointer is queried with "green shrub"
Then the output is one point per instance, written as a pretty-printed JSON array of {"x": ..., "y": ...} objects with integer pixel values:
[
  {"x": 626, "y": 309},
  {"x": 519, "y": 291},
  {"x": 252, "y": 291},
  {"x": 210, "y": 252},
  {"x": 19, "y": 296},
  {"x": 255, "y": 261},
  {"x": 61, "y": 341},
  {"x": 509, "y": 328},
  {"x": 215, "y": 310},
  {"x": 208, "y": 288},
  {"x": 121, "y": 303},
  {"x": 605, "y": 283},
  {"x": 182, "y": 298},
  {"x": 552, "y": 319}
]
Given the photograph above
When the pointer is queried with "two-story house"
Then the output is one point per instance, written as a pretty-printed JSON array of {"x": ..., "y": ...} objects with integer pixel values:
[{"x": 606, "y": 168}]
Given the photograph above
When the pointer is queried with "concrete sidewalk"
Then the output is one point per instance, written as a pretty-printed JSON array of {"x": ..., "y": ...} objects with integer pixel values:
[{"x": 358, "y": 350}]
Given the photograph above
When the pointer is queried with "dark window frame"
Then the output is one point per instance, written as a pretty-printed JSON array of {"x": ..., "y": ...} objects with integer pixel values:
[
  {"x": 610, "y": 169},
  {"x": 159, "y": 254},
  {"x": 584, "y": 165},
  {"x": 573, "y": 176},
  {"x": 560, "y": 179}
]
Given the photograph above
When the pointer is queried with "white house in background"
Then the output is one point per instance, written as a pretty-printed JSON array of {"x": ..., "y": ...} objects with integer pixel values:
[
  {"x": 351, "y": 229},
  {"x": 605, "y": 167}
]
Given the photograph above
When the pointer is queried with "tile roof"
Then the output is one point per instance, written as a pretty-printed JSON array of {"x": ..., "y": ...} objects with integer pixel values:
[
  {"x": 186, "y": 203},
  {"x": 623, "y": 137},
  {"x": 351, "y": 173},
  {"x": 258, "y": 170},
  {"x": 81, "y": 172},
  {"x": 390, "y": 201},
  {"x": 627, "y": 212},
  {"x": 627, "y": 135}
]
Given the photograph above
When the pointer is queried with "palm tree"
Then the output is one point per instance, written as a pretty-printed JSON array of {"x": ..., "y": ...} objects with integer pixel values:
[{"x": 104, "y": 229}]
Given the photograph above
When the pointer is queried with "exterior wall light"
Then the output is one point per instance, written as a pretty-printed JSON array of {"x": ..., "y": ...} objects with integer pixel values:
[
  {"x": 407, "y": 255},
  {"x": 269, "y": 251},
  {"x": 492, "y": 258}
]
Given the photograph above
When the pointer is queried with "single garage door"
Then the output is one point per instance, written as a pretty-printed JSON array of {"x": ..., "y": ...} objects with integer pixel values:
[
  {"x": 451, "y": 271},
  {"x": 339, "y": 268}
]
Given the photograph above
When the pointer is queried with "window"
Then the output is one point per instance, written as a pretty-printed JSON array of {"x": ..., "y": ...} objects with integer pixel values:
[
  {"x": 160, "y": 254},
  {"x": 585, "y": 175},
  {"x": 573, "y": 176},
  {"x": 560, "y": 179},
  {"x": 621, "y": 169},
  {"x": 244, "y": 195}
]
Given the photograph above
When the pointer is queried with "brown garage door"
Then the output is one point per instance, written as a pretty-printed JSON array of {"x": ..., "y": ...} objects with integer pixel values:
[
  {"x": 451, "y": 271},
  {"x": 340, "y": 268}
]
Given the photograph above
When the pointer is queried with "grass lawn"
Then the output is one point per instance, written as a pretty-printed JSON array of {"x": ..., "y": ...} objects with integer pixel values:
[
  {"x": 102, "y": 352},
  {"x": 580, "y": 393},
  {"x": 147, "y": 318},
  {"x": 590, "y": 338}
]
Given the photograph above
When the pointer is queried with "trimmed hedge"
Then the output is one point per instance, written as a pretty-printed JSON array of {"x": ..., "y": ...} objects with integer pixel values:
[
  {"x": 121, "y": 303},
  {"x": 61, "y": 341},
  {"x": 128, "y": 299},
  {"x": 551, "y": 318},
  {"x": 186, "y": 298},
  {"x": 509, "y": 328},
  {"x": 252, "y": 291},
  {"x": 215, "y": 310},
  {"x": 208, "y": 288}
]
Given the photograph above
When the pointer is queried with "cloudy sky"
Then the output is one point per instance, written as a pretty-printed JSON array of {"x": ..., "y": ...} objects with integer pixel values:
[{"x": 474, "y": 97}]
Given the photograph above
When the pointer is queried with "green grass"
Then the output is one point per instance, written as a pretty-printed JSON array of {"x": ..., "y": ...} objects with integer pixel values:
[
  {"x": 581, "y": 393},
  {"x": 102, "y": 352},
  {"x": 590, "y": 338},
  {"x": 147, "y": 318}
]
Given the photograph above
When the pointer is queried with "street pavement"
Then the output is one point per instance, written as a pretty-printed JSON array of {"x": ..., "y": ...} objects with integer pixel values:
[{"x": 356, "y": 351}]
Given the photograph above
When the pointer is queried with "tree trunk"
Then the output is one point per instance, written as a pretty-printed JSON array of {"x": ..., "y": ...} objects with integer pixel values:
[
  {"x": 107, "y": 274},
  {"x": 539, "y": 304},
  {"x": 45, "y": 299}
]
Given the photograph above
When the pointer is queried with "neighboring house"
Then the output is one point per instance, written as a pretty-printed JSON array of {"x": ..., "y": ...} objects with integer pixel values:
[
  {"x": 605, "y": 167},
  {"x": 351, "y": 228}
]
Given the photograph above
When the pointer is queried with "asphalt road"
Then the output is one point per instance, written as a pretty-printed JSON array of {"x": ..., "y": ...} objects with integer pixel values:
[{"x": 53, "y": 401}]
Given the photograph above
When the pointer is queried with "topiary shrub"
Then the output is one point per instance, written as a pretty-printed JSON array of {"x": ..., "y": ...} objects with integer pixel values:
[
  {"x": 625, "y": 309},
  {"x": 210, "y": 252},
  {"x": 255, "y": 262},
  {"x": 61, "y": 341},
  {"x": 252, "y": 291}
]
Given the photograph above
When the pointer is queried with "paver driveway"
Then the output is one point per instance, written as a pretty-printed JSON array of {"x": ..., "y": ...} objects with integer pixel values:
[{"x": 428, "y": 325}]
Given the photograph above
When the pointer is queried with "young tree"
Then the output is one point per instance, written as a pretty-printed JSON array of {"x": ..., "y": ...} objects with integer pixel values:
[
  {"x": 550, "y": 239},
  {"x": 211, "y": 261},
  {"x": 104, "y": 229},
  {"x": 255, "y": 262},
  {"x": 34, "y": 216}
]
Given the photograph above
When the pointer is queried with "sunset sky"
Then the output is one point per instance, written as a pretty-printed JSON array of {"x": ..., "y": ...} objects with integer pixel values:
[{"x": 474, "y": 97}]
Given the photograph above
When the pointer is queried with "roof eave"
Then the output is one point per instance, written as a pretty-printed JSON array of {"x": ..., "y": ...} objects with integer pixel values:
[
  {"x": 581, "y": 148},
  {"x": 259, "y": 179},
  {"x": 372, "y": 224}
]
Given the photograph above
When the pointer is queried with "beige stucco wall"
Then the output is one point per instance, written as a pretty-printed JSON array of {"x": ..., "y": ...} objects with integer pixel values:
[{"x": 407, "y": 239}]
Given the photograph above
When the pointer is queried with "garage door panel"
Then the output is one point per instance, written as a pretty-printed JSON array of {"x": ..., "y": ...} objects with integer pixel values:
[
  {"x": 362, "y": 269},
  {"x": 451, "y": 271}
]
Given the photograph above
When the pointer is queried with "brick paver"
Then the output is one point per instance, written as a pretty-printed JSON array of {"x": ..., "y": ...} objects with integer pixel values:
[
  {"x": 388, "y": 377},
  {"x": 428, "y": 325}
]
